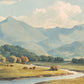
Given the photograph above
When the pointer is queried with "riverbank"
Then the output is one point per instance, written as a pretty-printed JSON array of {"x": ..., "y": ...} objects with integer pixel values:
[
  {"x": 67, "y": 81},
  {"x": 69, "y": 66},
  {"x": 17, "y": 72}
]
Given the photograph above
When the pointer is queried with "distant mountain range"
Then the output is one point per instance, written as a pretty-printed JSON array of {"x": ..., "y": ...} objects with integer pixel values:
[
  {"x": 39, "y": 40},
  {"x": 75, "y": 49},
  {"x": 61, "y": 36},
  {"x": 18, "y": 33}
]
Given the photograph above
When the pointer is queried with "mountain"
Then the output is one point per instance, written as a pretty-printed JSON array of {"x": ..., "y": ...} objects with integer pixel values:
[
  {"x": 19, "y": 33},
  {"x": 39, "y": 40},
  {"x": 75, "y": 49},
  {"x": 61, "y": 36},
  {"x": 3, "y": 43}
]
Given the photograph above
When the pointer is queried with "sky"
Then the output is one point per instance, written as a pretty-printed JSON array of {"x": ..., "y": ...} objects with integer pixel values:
[{"x": 44, "y": 13}]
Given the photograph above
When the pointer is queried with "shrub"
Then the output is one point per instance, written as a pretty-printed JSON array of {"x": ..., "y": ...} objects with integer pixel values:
[
  {"x": 54, "y": 68},
  {"x": 19, "y": 60},
  {"x": 24, "y": 59},
  {"x": 2, "y": 59},
  {"x": 12, "y": 59}
]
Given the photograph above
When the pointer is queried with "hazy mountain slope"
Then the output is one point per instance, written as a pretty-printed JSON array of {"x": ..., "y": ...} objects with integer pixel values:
[
  {"x": 75, "y": 49},
  {"x": 19, "y": 33},
  {"x": 3, "y": 43},
  {"x": 61, "y": 36},
  {"x": 14, "y": 30}
]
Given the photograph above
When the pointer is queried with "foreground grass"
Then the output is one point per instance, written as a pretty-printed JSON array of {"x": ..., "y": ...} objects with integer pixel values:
[
  {"x": 70, "y": 66},
  {"x": 69, "y": 81},
  {"x": 17, "y": 71}
]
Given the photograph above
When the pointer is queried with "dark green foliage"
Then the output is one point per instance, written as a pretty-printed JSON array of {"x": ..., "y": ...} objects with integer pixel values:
[
  {"x": 44, "y": 58},
  {"x": 78, "y": 61},
  {"x": 51, "y": 59},
  {"x": 9, "y": 50},
  {"x": 59, "y": 59},
  {"x": 12, "y": 59}
]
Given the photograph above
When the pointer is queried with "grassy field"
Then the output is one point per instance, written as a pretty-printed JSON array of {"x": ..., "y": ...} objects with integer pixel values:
[
  {"x": 17, "y": 71},
  {"x": 70, "y": 66},
  {"x": 65, "y": 65},
  {"x": 69, "y": 81}
]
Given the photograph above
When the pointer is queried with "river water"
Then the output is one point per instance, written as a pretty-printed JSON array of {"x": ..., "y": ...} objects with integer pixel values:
[{"x": 36, "y": 80}]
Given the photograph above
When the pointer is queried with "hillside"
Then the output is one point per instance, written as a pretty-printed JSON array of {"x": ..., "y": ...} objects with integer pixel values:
[
  {"x": 39, "y": 40},
  {"x": 61, "y": 36},
  {"x": 19, "y": 33},
  {"x": 75, "y": 49},
  {"x": 3, "y": 43},
  {"x": 8, "y": 50}
]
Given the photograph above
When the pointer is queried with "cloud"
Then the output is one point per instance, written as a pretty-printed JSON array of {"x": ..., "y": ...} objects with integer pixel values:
[
  {"x": 59, "y": 14},
  {"x": 2, "y": 18},
  {"x": 9, "y": 1}
]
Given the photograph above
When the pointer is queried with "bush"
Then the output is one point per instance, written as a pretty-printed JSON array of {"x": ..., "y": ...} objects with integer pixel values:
[
  {"x": 19, "y": 60},
  {"x": 12, "y": 59},
  {"x": 2, "y": 59},
  {"x": 78, "y": 61},
  {"x": 54, "y": 68},
  {"x": 24, "y": 59}
]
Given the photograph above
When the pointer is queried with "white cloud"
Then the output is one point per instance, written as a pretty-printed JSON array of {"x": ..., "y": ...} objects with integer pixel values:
[
  {"x": 9, "y": 1},
  {"x": 2, "y": 18},
  {"x": 59, "y": 14}
]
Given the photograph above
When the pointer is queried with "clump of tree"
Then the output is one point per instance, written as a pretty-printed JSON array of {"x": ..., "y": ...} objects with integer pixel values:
[
  {"x": 18, "y": 60},
  {"x": 51, "y": 59},
  {"x": 24, "y": 59},
  {"x": 12, "y": 59},
  {"x": 2, "y": 59},
  {"x": 78, "y": 61},
  {"x": 56, "y": 68},
  {"x": 11, "y": 50}
]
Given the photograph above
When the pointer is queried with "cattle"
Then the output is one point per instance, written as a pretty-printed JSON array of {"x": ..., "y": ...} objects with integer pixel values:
[
  {"x": 25, "y": 67},
  {"x": 11, "y": 65},
  {"x": 34, "y": 67},
  {"x": 30, "y": 68}
]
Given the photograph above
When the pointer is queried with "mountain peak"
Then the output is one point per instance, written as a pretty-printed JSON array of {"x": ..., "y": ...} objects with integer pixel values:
[{"x": 10, "y": 19}]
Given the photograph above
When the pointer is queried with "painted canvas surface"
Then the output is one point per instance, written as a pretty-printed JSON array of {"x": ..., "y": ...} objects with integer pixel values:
[{"x": 41, "y": 41}]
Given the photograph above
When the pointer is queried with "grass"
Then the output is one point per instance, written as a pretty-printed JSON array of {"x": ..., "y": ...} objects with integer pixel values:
[
  {"x": 69, "y": 81},
  {"x": 66, "y": 65},
  {"x": 70, "y": 66},
  {"x": 18, "y": 72}
]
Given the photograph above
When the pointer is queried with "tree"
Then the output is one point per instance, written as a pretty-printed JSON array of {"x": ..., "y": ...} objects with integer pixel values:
[
  {"x": 19, "y": 60},
  {"x": 78, "y": 61},
  {"x": 51, "y": 59},
  {"x": 74, "y": 60},
  {"x": 54, "y": 68},
  {"x": 12, "y": 59},
  {"x": 24, "y": 59},
  {"x": 44, "y": 58},
  {"x": 2, "y": 59},
  {"x": 59, "y": 59}
]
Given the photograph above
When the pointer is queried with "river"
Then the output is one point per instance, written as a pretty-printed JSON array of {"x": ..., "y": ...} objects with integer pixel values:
[{"x": 36, "y": 80}]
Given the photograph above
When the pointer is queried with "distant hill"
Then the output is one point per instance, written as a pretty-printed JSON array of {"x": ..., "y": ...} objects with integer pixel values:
[
  {"x": 61, "y": 36},
  {"x": 9, "y": 50},
  {"x": 75, "y": 49},
  {"x": 19, "y": 33},
  {"x": 39, "y": 40},
  {"x": 3, "y": 43}
]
